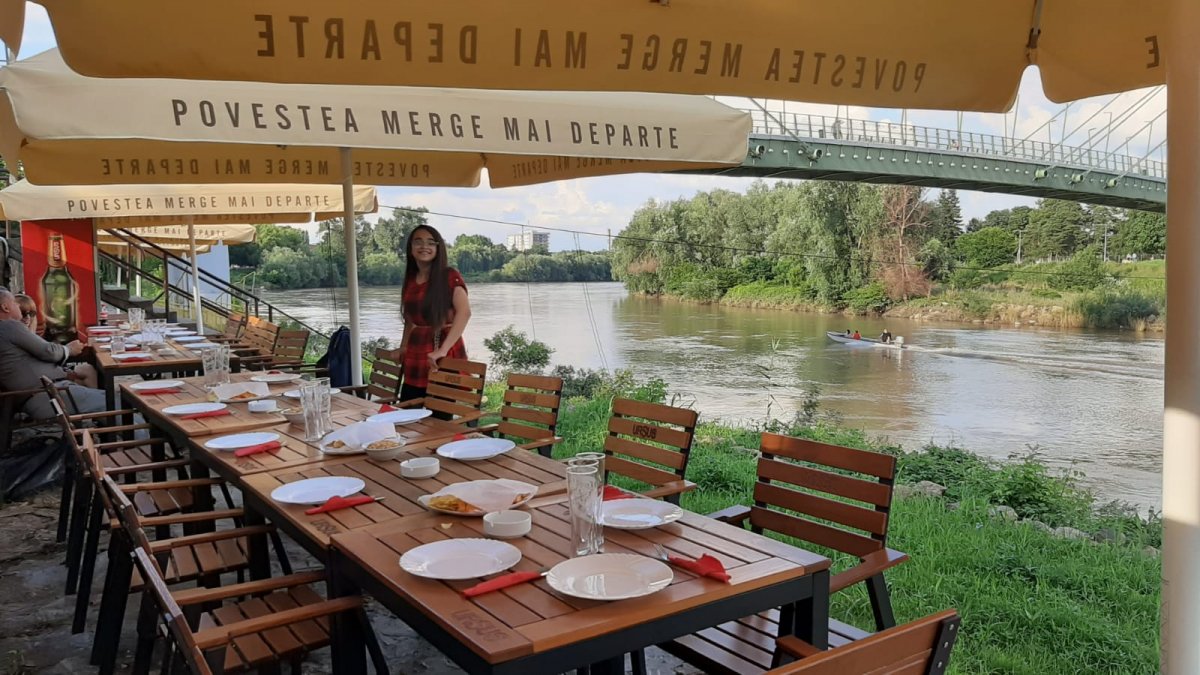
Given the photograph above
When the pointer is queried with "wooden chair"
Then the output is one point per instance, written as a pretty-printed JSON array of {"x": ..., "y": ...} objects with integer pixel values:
[
  {"x": 258, "y": 340},
  {"x": 530, "y": 412},
  {"x": 455, "y": 390},
  {"x": 387, "y": 374},
  {"x": 253, "y": 625},
  {"x": 803, "y": 491},
  {"x": 921, "y": 647},
  {"x": 235, "y": 323},
  {"x": 650, "y": 443}
]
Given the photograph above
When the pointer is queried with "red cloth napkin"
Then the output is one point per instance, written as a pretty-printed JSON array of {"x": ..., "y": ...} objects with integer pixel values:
[
  {"x": 215, "y": 413},
  {"x": 705, "y": 566},
  {"x": 133, "y": 348},
  {"x": 145, "y": 392},
  {"x": 137, "y": 360},
  {"x": 496, "y": 584},
  {"x": 611, "y": 493},
  {"x": 338, "y": 503},
  {"x": 386, "y": 408},
  {"x": 459, "y": 437},
  {"x": 255, "y": 449}
]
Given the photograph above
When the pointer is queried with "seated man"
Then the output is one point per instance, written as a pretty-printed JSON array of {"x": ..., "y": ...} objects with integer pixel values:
[
  {"x": 25, "y": 358},
  {"x": 885, "y": 336},
  {"x": 82, "y": 373}
]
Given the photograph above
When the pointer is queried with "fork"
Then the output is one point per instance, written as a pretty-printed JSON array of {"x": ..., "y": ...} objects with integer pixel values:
[{"x": 661, "y": 553}]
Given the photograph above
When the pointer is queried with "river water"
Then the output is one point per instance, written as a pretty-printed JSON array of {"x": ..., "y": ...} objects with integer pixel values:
[{"x": 1089, "y": 401}]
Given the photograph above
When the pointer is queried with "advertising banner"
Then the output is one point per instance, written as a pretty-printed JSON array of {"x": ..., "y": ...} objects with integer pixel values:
[{"x": 60, "y": 275}]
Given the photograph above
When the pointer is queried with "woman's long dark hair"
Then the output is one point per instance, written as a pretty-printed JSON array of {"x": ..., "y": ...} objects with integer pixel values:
[{"x": 437, "y": 302}]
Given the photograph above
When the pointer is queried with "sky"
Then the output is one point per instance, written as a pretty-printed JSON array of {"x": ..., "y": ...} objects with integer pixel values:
[{"x": 596, "y": 206}]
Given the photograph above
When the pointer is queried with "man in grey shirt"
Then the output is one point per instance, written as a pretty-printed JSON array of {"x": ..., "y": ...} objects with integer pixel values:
[{"x": 25, "y": 358}]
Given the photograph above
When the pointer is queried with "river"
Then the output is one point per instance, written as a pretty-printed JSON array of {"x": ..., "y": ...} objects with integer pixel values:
[{"x": 1089, "y": 401}]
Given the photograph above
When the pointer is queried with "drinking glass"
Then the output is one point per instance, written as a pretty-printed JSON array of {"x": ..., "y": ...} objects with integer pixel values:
[
  {"x": 595, "y": 459},
  {"x": 213, "y": 375},
  {"x": 136, "y": 317},
  {"x": 117, "y": 344},
  {"x": 315, "y": 398},
  {"x": 584, "y": 483}
]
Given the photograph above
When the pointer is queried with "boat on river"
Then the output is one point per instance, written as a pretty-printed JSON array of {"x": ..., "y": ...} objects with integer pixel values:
[{"x": 849, "y": 341}]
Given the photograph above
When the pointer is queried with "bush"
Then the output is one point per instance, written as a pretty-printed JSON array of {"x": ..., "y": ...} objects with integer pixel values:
[
  {"x": 1082, "y": 272},
  {"x": 966, "y": 278},
  {"x": 870, "y": 298},
  {"x": 1118, "y": 309},
  {"x": 587, "y": 383},
  {"x": 988, "y": 247},
  {"x": 512, "y": 350},
  {"x": 1045, "y": 293}
]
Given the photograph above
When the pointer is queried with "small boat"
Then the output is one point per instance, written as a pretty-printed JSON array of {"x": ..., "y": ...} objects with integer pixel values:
[{"x": 865, "y": 341}]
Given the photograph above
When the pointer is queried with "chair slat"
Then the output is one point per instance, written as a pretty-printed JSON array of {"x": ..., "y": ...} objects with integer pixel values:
[
  {"x": 649, "y": 432},
  {"x": 624, "y": 446},
  {"x": 532, "y": 398},
  {"x": 812, "y": 505},
  {"x": 543, "y": 382},
  {"x": 450, "y": 393},
  {"x": 529, "y": 415},
  {"x": 655, "y": 411},
  {"x": 849, "y": 487},
  {"x": 816, "y": 533},
  {"x": 863, "y": 461},
  {"x": 523, "y": 431},
  {"x": 639, "y": 472},
  {"x": 909, "y": 648},
  {"x": 448, "y": 407}
]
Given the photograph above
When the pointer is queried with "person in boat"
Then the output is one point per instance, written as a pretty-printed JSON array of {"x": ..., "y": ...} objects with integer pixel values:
[
  {"x": 847, "y": 332},
  {"x": 435, "y": 309},
  {"x": 885, "y": 337},
  {"x": 857, "y": 335}
]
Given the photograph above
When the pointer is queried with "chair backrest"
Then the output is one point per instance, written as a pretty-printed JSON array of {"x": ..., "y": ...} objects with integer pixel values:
[
  {"x": 387, "y": 373},
  {"x": 177, "y": 625},
  {"x": 64, "y": 419},
  {"x": 456, "y": 387},
  {"x": 797, "y": 477},
  {"x": 290, "y": 345},
  {"x": 104, "y": 485},
  {"x": 649, "y": 442},
  {"x": 530, "y": 410},
  {"x": 260, "y": 335},
  {"x": 235, "y": 322},
  {"x": 921, "y": 647}
]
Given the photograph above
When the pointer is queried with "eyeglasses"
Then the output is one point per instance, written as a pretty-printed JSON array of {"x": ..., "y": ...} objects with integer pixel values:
[
  {"x": 26, "y": 315},
  {"x": 431, "y": 243}
]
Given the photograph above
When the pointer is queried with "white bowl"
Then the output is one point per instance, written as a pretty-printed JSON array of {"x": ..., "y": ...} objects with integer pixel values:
[
  {"x": 263, "y": 406},
  {"x": 505, "y": 524},
  {"x": 420, "y": 467}
]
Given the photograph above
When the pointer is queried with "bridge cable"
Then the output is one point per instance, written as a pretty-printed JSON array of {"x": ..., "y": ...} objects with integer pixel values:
[{"x": 587, "y": 301}]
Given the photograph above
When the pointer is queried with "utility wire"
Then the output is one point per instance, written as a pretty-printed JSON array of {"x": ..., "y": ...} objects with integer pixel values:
[{"x": 735, "y": 249}]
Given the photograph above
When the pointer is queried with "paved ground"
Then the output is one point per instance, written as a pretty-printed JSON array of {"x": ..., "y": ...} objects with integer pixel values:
[{"x": 35, "y": 617}]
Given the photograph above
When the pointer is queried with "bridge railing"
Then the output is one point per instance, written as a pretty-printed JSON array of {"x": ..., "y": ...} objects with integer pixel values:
[{"x": 872, "y": 132}]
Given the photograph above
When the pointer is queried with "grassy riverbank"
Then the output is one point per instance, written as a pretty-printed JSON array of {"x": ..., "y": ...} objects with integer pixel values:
[{"x": 1031, "y": 602}]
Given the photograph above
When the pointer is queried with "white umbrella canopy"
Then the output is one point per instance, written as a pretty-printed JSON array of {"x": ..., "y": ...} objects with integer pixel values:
[{"x": 166, "y": 131}]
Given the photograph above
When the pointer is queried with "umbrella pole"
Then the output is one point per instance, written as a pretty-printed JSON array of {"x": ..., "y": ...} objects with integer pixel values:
[
  {"x": 195, "y": 278},
  {"x": 1181, "y": 416},
  {"x": 348, "y": 231}
]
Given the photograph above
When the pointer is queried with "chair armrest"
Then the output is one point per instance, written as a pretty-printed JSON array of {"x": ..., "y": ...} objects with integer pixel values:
[
  {"x": 152, "y": 466},
  {"x": 99, "y": 415},
  {"x": 540, "y": 443},
  {"x": 195, "y": 517},
  {"x": 410, "y": 403},
  {"x": 193, "y": 596},
  {"x": 133, "y": 443},
  {"x": 469, "y": 417},
  {"x": 794, "y": 646},
  {"x": 215, "y": 637},
  {"x": 161, "y": 545},
  {"x": 872, "y": 564},
  {"x": 734, "y": 515},
  {"x": 667, "y": 489},
  {"x": 170, "y": 485},
  {"x": 121, "y": 429},
  {"x": 490, "y": 429}
]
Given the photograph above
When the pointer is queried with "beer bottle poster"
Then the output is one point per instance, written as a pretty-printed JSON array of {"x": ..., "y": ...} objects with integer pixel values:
[{"x": 60, "y": 275}]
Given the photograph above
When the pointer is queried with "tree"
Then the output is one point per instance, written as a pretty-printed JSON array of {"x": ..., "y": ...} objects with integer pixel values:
[
  {"x": 1056, "y": 229},
  {"x": 390, "y": 234},
  {"x": 937, "y": 260},
  {"x": 512, "y": 351},
  {"x": 267, "y": 237},
  {"x": 287, "y": 268},
  {"x": 905, "y": 214},
  {"x": 945, "y": 217},
  {"x": 987, "y": 248},
  {"x": 1140, "y": 233}
]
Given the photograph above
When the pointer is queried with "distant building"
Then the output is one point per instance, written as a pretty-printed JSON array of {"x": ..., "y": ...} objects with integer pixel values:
[{"x": 527, "y": 240}]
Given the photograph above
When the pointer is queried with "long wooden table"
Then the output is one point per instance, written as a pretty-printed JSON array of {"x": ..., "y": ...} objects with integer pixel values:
[
  {"x": 520, "y": 630},
  {"x": 177, "y": 358}
]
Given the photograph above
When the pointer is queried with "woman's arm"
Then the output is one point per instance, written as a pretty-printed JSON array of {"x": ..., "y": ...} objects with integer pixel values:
[
  {"x": 405, "y": 335},
  {"x": 462, "y": 314}
]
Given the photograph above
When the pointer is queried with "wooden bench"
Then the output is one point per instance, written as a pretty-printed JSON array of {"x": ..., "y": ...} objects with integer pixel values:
[
  {"x": 821, "y": 494},
  {"x": 921, "y": 647},
  {"x": 530, "y": 412},
  {"x": 650, "y": 443},
  {"x": 455, "y": 390}
]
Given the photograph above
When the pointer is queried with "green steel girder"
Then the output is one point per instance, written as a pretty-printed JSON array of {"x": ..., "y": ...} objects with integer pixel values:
[{"x": 821, "y": 159}]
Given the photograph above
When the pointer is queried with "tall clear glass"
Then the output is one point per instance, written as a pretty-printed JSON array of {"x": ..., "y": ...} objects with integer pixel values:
[
  {"x": 137, "y": 316},
  {"x": 315, "y": 398},
  {"x": 595, "y": 459},
  {"x": 584, "y": 483},
  {"x": 213, "y": 372}
]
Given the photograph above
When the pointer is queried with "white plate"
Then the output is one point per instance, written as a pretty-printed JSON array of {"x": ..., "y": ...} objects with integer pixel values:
[
  {"x": 179, "y": 331},
  {"x": 460, "y": 558},
  {"x": 184, "y": 339},
  {"x": 476, "y": 448},
  {"x": 638, "y": 514},
  {"x": 194, "y": 408},
  {"x": 102, "y": 329},
  {"x": 292, "y": 393},
  {"x": 246, "y": 400},
  {"x": 241, "y": 440},
  {"x": 124, "y": 356},
  {"x": 279, "y": 377},
  {"x": 101, "y": 340},
  {"x": 156, "y": 384},
  {"x": 317, "y": 490},
  {"x": 401, "y": 416},
  {"x": 202, "y": 345},
  {"x": 610, "y": 576}
]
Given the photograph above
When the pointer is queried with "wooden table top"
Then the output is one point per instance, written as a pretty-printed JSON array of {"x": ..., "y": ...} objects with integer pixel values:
[
  {"x": 400, "y": 494},
  {"x": 531, "y": 618},
  {"x": 240, "y": 419}
]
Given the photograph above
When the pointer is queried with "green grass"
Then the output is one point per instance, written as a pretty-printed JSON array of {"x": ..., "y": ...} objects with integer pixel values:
[{"x": 1031, "y": 603}]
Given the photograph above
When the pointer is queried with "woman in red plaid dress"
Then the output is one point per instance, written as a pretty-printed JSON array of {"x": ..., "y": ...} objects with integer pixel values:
[{"x": 436, "y": 310}]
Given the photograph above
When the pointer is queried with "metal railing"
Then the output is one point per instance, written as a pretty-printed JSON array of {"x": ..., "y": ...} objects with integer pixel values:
[{"x": 888, "y": 134}]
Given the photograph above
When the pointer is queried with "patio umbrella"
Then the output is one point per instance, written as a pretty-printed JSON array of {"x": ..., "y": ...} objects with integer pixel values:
[
  {"x": 947, "y": 54},
  {"x": 187, "y": 215},
  {"x": 158, "y": 130}
]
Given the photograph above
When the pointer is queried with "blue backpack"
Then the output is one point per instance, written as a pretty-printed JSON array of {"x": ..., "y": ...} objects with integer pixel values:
[{"x": 337, "y": 358}]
